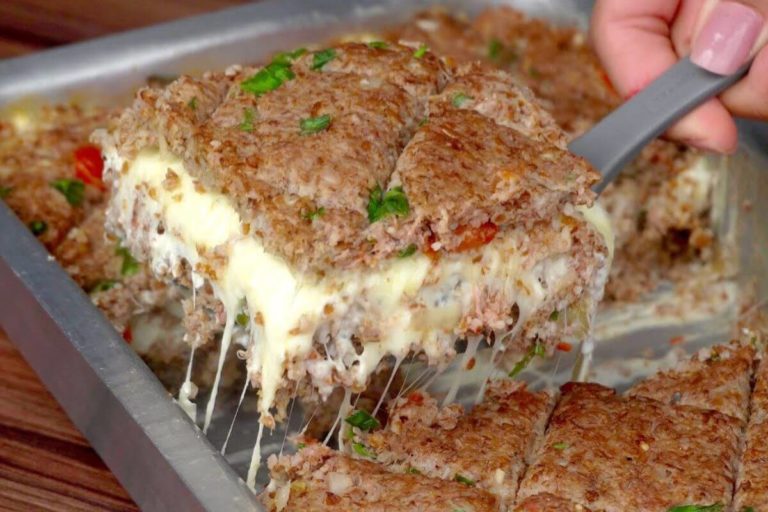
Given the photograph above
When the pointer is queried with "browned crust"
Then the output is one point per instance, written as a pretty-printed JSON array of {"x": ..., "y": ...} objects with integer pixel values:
[
  {"x": 461, "y": 169},
  {"x": 752, "y": 486},
  {"x": 546, "y": 502},
  {"x": 370, "y": 487},
  {"x": 717, "y": 378},
  {"x": 490, "y": 445},
  {"x": 621, "y": 454}
]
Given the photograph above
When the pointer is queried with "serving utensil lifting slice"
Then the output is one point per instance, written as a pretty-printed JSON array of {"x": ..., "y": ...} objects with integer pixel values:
[{"x": 619, "y": 137}]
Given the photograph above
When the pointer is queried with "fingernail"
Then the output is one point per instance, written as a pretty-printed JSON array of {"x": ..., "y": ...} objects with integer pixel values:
[{"x": 726, "y": 40}]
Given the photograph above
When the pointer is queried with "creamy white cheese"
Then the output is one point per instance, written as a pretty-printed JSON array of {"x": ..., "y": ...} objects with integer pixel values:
[{"x": 415, "y": 303}]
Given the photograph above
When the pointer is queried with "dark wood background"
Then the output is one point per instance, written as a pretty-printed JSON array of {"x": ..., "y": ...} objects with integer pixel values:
[{"x": 45, "y": 464}]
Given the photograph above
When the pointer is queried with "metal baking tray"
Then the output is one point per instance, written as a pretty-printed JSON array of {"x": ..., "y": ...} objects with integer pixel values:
[{"x": 153, "y": 448}]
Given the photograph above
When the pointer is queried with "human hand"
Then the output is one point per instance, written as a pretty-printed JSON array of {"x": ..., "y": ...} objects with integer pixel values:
[{"x": 638, "y": 40}]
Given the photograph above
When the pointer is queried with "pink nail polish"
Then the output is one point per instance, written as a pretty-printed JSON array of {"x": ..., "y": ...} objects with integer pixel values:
[{"x": 726, "y": 40}]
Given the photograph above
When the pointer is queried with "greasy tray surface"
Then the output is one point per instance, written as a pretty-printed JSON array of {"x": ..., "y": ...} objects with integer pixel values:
[{"x": 163, "y": 461}]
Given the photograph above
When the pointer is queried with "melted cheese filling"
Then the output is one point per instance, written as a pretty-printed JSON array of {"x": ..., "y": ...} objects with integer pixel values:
[{"x": 412, "y": 303}]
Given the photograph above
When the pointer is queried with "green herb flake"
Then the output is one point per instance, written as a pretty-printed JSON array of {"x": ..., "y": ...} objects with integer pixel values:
[
  {"x": 554, "y": 316},
  {"x": 361, "y": 450},
  {"x": 192, "y": 103},
  {"x": 269, "y": 78},
  {"x": 4, "y": 191},
  {"x": 412, "y": 471},
  {"x": 301, "y": 446},
  {"x": 459, "y": 99},
  {"x": 383, "y": 204},
  {"x": 130, "y": 266},
  {"x": 321, "y": 58},
  {"x": 362, "y": 420},
  {"x": 747, "y": 509},
  {"x": 379, "y": 45},
  {"x": 287, "y": 58},
  {"x": 73, "y": 190},
  {"x": 408, "y": 251},
  {"x": 421, "y": 51},
  {"x": 38, "y": 227},
  {"x": 560, "y": 446},
  {"x": 311, "y": 216},
  {"x": 423, "y": 121},
  {"x": 242, "y": 319},
  {"x": 247, "y": 124},
  {"x": 494, "y": 49},
  {"x": 464, "y": 480},
  {"x": 103, "y": 285},
  {"x": 717, "y": 507},
  {"x": 536, "y": 350},
  {"x": 534, "y": 73},
  {"x": 312, "y": 125}
]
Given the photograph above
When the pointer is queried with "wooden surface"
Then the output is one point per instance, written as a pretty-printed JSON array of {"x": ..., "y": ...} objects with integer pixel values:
[{"x": 45, "y": 464}]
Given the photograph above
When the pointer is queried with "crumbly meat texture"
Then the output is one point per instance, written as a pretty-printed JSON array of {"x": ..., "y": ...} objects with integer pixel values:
[
  {"x": 490, "y": 445},
  {"x": 546, "y": 502},
  {"x": 716, "y": 378},
  {"x": 483, "y": 154},
  {"x": 752, "y": 485},
  {"x": 611, "y": 453},
  {"x": 320, "y": 479},
  {"x": 660, "y": 215}
]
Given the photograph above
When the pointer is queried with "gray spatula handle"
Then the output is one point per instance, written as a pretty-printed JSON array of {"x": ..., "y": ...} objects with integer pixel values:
[{"x": 617, "y": 139}]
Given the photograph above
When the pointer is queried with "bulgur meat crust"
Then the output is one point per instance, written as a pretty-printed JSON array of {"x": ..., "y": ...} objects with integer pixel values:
[
  {"x": 489, "y": 445},
  {"x": 752, "y": 485},
  {"x": 546, "y": 502},
  {"x": 716, "y": 378},
  {"x": 320, "y": 479},
  {"x": 611, "y": 453},
  {"x": 376, "y": 99}
]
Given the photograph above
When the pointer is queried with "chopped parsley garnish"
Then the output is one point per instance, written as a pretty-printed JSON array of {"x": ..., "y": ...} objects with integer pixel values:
[
  {"x": 38, "y": 227},
  {"x": 362, "y": 420},
  {"x": 536, "y": 350},
  {"x": 247, "y": 124},
  {"x": 560, "y": 446},
  {"x": 314, "y": 214},
  {"x": 424, "y": 121},
  {"x": 130, "y": 266},
  {"x": 317, "y": 124},
  {"x": 383, "y": 204},
  {"x": 420, "y": 51},
  {"x": 412, "y": 471},
  {"x": 494, "y": 49},
  {"x": 361, "y": 450},
  {"x": 535, "y": 73},
  {"x": 269, "y": 78},
  {"x": 242, "y": 319},
  {"x": 73, "y": 190},
  {"x": 192, "y": 103},
  {"x": 717, "y": 507},
  {"x": 301, "y": 446},
  {"x": 747, "y": 509},
  {"x": 378, "y": 44},
  {"x": 321, "y": 58},
  {"x": 103, "y": 285},
  {"x": 464, "y": 480},
  {"x": 4, "y": 191},
  {"x": 460, "y": 99},
  {"x": 288, "y": 57},
  {"x": 554, "y": 316},
  {"x": 408, "y": 251}
]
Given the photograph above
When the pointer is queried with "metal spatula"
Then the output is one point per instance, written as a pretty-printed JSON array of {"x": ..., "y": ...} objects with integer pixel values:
[{"x": 620, "y": 136}]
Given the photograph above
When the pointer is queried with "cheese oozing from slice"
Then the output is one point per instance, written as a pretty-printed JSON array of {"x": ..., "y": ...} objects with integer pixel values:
[{"x": 413, "y": 303}]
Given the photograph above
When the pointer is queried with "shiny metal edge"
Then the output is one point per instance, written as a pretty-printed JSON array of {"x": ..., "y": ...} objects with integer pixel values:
[{"x": 161, "y": 458}]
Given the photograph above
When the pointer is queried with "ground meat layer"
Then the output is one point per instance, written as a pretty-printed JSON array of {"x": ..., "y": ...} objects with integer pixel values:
[{"x": 469, "y": 148}]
